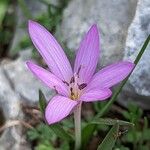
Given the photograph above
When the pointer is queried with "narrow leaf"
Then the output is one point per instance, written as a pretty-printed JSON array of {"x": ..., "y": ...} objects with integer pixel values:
[
  {"x": 3, "y": 9},
  {"x": 25, "y": 9},
  {"x": 110, "y": 139},
  {"x": 109, "y": 121},
  {"x": 42, "y": 101},
  {"x": 87, "y": 132},
  {"x": 60, "y": 132}
]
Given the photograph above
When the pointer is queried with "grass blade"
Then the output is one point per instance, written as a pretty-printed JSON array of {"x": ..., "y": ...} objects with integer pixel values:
[
  {"x": 110, "y": 139},
  {"x": 60, "y": 132},
  {"x": 87, "y": 133},
  {"x": 25, "y": 9},
  {"x": 42, "y": 101},
  {"x": 109, "y": 121},
  {"x": 3, "y": 10}
]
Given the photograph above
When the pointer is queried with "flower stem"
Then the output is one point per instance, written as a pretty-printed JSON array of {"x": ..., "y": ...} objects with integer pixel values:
[{"x": 77, "y": 122}]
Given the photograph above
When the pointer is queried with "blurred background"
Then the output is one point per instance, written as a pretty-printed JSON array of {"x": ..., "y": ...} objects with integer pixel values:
[{"x": 124, "y": 25}]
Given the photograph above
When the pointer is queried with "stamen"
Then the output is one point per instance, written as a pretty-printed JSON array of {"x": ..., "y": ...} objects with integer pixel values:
[
  {"x": 55, "y": 90},
  {"x": 82, "y": 86},
  {"x": 71, "y": 89},
  {"x": 78, "y": 70},
  {"x": 72, "y": 80},
  {"x": 72, "y": 94},
  {"x": 66, "y": 83}
]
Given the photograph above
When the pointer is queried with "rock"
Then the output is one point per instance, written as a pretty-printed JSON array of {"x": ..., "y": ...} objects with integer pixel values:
[
  {"x": 23, "y": 82},
  {"x": 21, "y": 24},
  {"x": 25, "y": 54},
  {"x": 113, "y": 18},
  {"x": 13, "y": 139},
  {"x": 137, "y": 34},
  {"x": 10, "y": 105},
  {"x": 18, "y": 86},
  {"x": 36, "y": 9}
]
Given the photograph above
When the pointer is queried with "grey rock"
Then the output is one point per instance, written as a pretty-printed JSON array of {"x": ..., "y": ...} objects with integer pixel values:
[
  {"x": 137, "y": 34},
  {"x": 23, "y": 82},
  {"x": 25, "y": 54},
  {"x": 10, "y": 105},
  {"x": 13, "y": 139},
  {"x": 18, "y": 86},
  {"x": 9, "y": 101},
  {"x": 138, "y": 87},
  {"x": 117, "y": 41},
  {"x": 113, "y": 18},
  {"x": 35, "y": 8}
]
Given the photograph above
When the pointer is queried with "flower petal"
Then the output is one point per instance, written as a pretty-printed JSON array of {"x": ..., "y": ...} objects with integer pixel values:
[
  {"x": 111, "y": 75},
  {"x": 58, "y": 108},
  {"x": 87, "y": 55},
  {"x": 96, "y": 95},
  {"x": 50, "y": 50},
  {"x": 48, "y": 78}
]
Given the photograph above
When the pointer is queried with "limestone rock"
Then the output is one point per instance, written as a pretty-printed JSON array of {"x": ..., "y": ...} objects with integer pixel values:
[
  {"x": 17, "y": 86},
  {"x": 138, "y": 87},
  {"x": 113, "y": 18},
  {"x": 23, "y": 82},
  {"x": 137, "y": 34}
]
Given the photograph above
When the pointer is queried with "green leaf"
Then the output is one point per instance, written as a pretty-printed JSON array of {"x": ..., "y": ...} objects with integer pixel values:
[
  {"x": 42, "y": 101},
  {"x": 32, "y": 134},
  {"x": 110, "y": 139},
  {"x": 146, "y": 134},
  {"x": 87, "y": 132},
  {"x": 3, "y": 9},
  {"x": 46, "y": 145},
  {"x": 60, "y": 132},
  {"x": 25, "y": 9},
  {"x": 109, "y": 121}
]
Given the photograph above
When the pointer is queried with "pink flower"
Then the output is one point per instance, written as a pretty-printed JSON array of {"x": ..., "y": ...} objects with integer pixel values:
[{"x": 80, "y": 84}]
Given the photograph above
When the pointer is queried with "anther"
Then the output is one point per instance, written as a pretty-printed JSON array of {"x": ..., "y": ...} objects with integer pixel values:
[
  {"x": 71, "y": 89},
  {"x": 72, "y": 94},
  {"x": 55, "y": 90},
  {"x": 79, "y": 70},
  {"x": 72, "y": 80},
  {"x": 82, "y": 86},
  {"x": 66, "y": 83}
]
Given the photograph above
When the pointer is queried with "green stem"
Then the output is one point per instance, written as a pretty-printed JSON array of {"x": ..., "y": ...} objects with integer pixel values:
[
  {"x": 25, "y": 9},
  {"x": 119, "y": 89},
  {"x": 77, "y": 122}
]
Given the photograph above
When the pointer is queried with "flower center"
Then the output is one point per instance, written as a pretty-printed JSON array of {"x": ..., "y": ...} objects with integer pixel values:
[{"x": 75, "y": 86}]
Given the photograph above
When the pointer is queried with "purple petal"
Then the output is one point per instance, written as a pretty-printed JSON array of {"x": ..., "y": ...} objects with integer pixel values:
[
  {"x": 48, "y": 78},
  {"x": 58, "y": 108},
  {"x": 50, "y": 50},
  {"x": 111, "y": 75},
  {"x": 96, "y": 95},
  {"x": 87, "y": 55}
]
